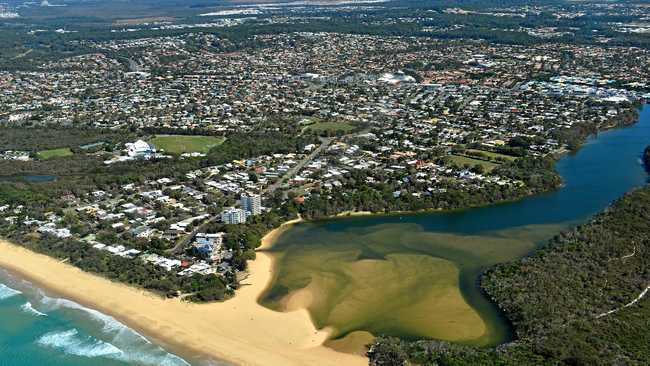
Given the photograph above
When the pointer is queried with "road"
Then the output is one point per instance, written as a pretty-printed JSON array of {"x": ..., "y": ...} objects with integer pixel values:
[
  {"x": 185, "y": 241},
  {"x": 325, "y": 142},
  {"x": 182, "y": 243}
]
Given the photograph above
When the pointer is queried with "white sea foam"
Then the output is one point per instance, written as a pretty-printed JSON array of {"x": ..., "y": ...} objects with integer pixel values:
[
  {"x": 109, "y": 324},
  {"x": 28, "y": 308},
  {"x": 134, "y": 347},
  {"x": 7, "y": 292},
  {"x": 73, "y": 343},
  {"x": 166, "y": 359},
  {"x": 114, "y": 339},
  {"x": 70, "y": 342}
]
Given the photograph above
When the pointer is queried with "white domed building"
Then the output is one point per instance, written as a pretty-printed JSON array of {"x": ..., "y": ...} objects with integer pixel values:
[{"x": 140, "y": 149}]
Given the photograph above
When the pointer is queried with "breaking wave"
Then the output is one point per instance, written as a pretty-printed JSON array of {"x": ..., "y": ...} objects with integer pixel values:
[
  {"x": 93, "y": 333},
  {"x": 132, "y": 346},
  {"x": 7, "y": 292},
  {"x": 109, "y": 324},
  {"x": 28, "y": 308},
  {"x": 70, "y": 342},
  {"x": 73, "y": 343}
]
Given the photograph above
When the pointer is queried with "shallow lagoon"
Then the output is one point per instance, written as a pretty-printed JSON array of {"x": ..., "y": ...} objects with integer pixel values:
[
  {"x": 29, "y": 178},
  {"x": 416, "y": 275}
]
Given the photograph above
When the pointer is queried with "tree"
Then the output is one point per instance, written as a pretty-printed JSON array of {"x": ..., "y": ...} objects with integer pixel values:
[{"x": 478, "y": 169}]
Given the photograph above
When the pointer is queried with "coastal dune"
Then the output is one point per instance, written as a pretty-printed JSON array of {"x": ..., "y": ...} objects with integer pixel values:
[{"x": 238, "y": 331}]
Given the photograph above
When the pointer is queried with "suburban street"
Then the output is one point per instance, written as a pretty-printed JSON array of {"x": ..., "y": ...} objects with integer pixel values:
[{"x": 325, "y": 142}]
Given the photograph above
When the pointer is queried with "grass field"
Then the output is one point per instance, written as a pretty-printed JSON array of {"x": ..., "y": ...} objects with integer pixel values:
[
  {"x": 54, "y": 153},
  {"x": 462, "y": 160},
  {"x": 493, "y": 155},
  {"x": 179, "y": 144},
  {"x": 332, "y": 127}
]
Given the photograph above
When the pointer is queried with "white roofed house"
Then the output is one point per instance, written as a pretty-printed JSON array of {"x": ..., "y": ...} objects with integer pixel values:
[{"x": 51, "y": 229}]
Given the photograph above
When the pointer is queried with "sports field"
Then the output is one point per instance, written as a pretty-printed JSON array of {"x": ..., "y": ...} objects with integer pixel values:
[
  {"x": 54, "y": 153},
  {"x": 463, "y": 160},
  {"x": 179, "y": 144}
]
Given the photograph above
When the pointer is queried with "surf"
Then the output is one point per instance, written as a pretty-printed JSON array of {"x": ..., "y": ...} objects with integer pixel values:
[
  {"x": 7, "y": 292},
  {"x": 29, "y": 308}
]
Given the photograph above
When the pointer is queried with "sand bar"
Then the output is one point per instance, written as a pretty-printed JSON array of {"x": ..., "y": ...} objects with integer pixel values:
[{"x": 239, "y": 330}]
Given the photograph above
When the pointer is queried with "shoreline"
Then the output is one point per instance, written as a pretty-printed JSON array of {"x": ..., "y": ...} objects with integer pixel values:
[
  {"x": 237, "y": 331},
  {"x": 556, "y": 156},
  {"x": 361, "y": 214},
  {"x": 269, "y": 239}
]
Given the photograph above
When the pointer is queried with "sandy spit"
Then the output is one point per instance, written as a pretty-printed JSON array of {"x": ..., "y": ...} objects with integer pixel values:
[
  {"x": 238, "y": 331},
  {"x": 356, "y": 213}
]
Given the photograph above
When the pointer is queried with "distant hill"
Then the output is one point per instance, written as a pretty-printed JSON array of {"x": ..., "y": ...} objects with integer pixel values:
[
  {"x": 102, "y": 10},
  {"x": 116, "y": 9}
]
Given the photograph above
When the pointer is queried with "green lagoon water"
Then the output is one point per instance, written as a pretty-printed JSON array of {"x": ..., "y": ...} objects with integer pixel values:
[{"x": 417, "y": 275}]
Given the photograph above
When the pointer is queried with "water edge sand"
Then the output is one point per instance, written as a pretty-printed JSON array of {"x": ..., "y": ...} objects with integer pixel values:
[{"x": 238, "y": 331}]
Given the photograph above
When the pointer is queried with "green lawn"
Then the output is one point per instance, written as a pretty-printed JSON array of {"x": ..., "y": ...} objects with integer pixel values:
[
  {"x": 332, "y": 127},
  {"x": 462, "y": 160},
  {"x": 492, "y": 155},
  {"x": 54, "y": 153},
  {"x": 179, "y": 144}
]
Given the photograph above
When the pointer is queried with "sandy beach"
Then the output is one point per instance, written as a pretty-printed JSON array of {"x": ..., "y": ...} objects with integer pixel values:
[
  {"x": 355, "y": 213},
  {"x": 238, "y": 331}
]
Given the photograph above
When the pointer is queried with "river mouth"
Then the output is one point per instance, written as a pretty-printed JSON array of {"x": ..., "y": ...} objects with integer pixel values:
[
  {"x": 395, "y": 279},
  {"x": 416, "y": 276}
]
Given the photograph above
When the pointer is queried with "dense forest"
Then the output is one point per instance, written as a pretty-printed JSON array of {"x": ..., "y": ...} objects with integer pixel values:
[
  {"x": 580, "y": 300},
  {"x": 36, "y": 139}
]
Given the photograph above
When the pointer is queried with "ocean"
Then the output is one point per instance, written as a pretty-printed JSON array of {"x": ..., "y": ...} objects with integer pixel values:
[{"x": 38, "y": 329}]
